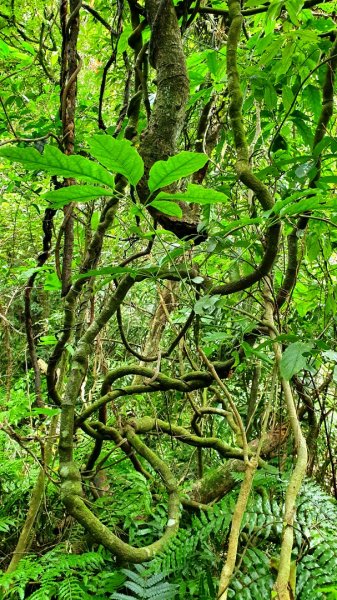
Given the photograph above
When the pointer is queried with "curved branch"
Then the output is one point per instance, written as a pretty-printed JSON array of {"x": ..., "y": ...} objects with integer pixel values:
[
  {"x": 323, "y": 121},
  {"x": 209, "y": 10},
  {"x": 244, "y": 172},
  {"x": 163, "y": 354},
  {"x": 187, "y": 383},
  {"x": 71, "y": 497},
  {"x": 98, "y": 17},
  {"x": 151, "y": 425},
  {"x": 298, "y": 474}
]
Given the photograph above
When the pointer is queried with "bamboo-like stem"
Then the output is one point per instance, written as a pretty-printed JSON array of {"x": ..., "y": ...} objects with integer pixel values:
[
  {"x": 36, "y": 498},
  {"x": 282, "y": 586},
  {"x": 236, "y": 414},
  {"x": 241, "y": 505}
]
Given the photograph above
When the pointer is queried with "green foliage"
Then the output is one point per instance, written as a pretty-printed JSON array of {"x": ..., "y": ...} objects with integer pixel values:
[
  {"x": 61, "y": 576},
  {"x": 317, "y": 566},
  {"x": 56, "y": 163},
  {"x": 181, "y": 165},
  {"x": 294, "y": 359},
  {"x": 75, "y": 193},
  {"x": 315, "y": 551},
  {"x": 283, "y": 77},
  {"x": 168, "y": 208},
  {"x": 119, "y": 156},
  {"x": 196, "y": 194},
  {"x": 253, "y": 579},
  {"x": 194, "y": 551},
  {"x": 143, "y": 584}
]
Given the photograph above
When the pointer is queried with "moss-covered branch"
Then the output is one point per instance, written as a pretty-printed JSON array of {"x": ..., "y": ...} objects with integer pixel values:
[
  {"x": 221, "y": 480},
  {"x": 281, "y": 585},
  {"x": 244, "y": 172},
  {"x": 159, "y": 141},
  {"x": 321, "y": 129},
  {"x": 79, "y": 366},
  {"x": 26, "y": 534},
  {"x": 90, "y": 261},
  {"x": 240, "y": 507},
  {"x": 157, "y": 426},
  {"x": 190, "y": 381},
  {"x": 71, "y": 491}
]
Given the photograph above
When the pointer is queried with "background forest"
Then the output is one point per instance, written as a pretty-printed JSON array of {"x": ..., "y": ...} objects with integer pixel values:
[{"x": 168, "y": 300}]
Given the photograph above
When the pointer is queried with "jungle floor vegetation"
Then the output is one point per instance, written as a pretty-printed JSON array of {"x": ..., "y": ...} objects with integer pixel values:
[{"x": 168, "y": 373}]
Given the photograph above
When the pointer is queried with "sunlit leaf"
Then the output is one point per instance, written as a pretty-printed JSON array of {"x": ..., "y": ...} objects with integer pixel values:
[
  {"x": 75, "y": 193},
  {"x": 118, "y": 156},
  {"x": 168, "y": 208},
  {"x": 181, "y": 165},
  {"x": 196, "y": 194},
  {"x": 53, "y": 161}
]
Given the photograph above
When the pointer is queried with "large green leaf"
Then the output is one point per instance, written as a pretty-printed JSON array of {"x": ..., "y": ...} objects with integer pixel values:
[
  {"x": 114, "y": 271},
  {"x": 181, "y": 165},
  {"x": 196, "y": 194},
  {"x": 75, "y": 193},
  {"x": 311, "y": 204},
  {"x": 282, "y": 206},
  {"x": 56, "y": 163},
  {"x": 293, "y": 360},
  {"x": 118, "y": 156},
  {"x": 167, "y": 207}
]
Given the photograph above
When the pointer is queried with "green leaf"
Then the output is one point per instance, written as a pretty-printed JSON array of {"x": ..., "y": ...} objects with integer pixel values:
[
  {"x": 196, "y": 194},
  {"x": 293, "y": 7},
  {"x": 314, "y": 203},
  {"x": 298, "y": 201},
  {"x": 52, "y": 282},
  {"x": 293, "y": 360},
  {"x": 287, "y": 97},
  {"x": 171, "y": 256},
  {"x": 181, "y": 165},
  {"x": 330, "y": 355},
  {"x": 312, "y": 95},
  {"x": 167, "y": 207},
  {"x": 302, "y": 170},
  {"x": 75, "y": 193},
  {"x": 94, "y": 221},
  {"x": 4, "y": 48},
  {"x": 252, "y": 3},
  {"x": 271, "y": 51},
  {"x": 251, "y": 351},
  {"x": 118, "y": 156},
  {"x": 304, "y": 131},
  {"x": 56, "y": 163},
  {"x": 50, "y": 412},
  {"x": 47, "y": 340},
  {"x": 232, "y": 226},
  {"x": 272, "y": 14},
  {"x": 270, "y": 97},
  {"x": 206, "y": 305}
]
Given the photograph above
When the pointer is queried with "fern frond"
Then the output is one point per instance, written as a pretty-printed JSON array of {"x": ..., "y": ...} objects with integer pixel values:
[
  {"x": 144, "y": 584},
  {"x": 70, "y": 589}
]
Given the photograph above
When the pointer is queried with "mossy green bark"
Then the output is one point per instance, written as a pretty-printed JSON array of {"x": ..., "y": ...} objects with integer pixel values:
[
  {"x": 71, "y": 494},
  {"x": 36, "y": 498},
  {"x": 243, "y": 169}
]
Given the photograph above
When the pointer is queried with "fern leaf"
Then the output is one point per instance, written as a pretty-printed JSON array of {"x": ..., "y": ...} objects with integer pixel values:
[{"x": 134, "y": 587}]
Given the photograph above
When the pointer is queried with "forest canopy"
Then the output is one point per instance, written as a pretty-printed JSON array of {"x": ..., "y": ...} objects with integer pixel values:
[{"x": 168, "y": 299}]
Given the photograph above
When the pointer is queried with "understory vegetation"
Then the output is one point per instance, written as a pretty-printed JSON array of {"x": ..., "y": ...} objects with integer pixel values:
[{"x": 168, "y": 300}]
